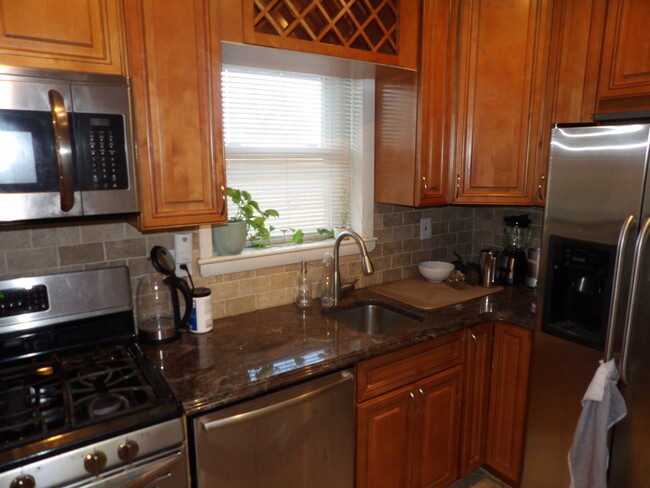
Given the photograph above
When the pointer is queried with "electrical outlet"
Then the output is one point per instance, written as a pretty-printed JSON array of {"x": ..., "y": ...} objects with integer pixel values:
[{"x": 425, "y": 228}]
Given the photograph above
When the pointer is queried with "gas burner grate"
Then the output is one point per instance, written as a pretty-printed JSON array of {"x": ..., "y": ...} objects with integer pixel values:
[
  {"x": 104, "y": 382},
  {"x": 32, "y": 403},
  {"x": 69, "y": 390}
]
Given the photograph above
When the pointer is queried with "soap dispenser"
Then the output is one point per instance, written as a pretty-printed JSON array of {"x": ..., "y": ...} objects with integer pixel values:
[{"x": 303, "y": 295}]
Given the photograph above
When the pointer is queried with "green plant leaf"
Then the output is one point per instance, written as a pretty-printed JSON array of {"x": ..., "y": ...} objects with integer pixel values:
[{"x": 298, "y": 237}]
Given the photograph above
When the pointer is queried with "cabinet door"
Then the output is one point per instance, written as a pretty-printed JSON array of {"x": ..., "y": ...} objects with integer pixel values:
[
  {"x": 625, "y": 70},
  {"x": 383, "y": 32},
  {"x": 508, "y": 395},
  {"x": 576, "y": 38},
  {"x": 384, "y": 430},
  {"x": 435, "y": 457},
  {"x": 73, "y": 35},
  {"x": 501, "y": 79},
  {"x": 413, "y": 113},
  {"x": 476, "y": 394},
  {"x": 174, "y": 59},
  {"x": 437, "y": 70}
]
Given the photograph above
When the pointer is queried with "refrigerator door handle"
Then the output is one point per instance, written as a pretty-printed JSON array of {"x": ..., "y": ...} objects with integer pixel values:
[
  {"x": 641, "y": 243},
  {"x": 623, "y": 236}
]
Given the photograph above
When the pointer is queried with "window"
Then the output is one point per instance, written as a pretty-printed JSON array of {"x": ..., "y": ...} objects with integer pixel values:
[
  {"x": 298, "y": 143},
  {"x": 288, "y": 141}
]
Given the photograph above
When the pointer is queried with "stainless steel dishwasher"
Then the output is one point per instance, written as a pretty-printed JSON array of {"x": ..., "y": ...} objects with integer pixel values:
[{"x": 299, "y": 437}]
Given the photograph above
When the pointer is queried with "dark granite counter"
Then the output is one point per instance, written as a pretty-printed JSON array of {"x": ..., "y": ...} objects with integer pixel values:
[{"x": 253, "y": 353}]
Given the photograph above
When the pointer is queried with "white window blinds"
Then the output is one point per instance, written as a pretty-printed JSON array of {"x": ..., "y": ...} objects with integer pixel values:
[{"x": 288, "y": 142}]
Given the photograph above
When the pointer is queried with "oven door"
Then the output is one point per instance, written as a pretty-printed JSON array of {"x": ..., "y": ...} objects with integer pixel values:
[{"x": 37, "y": 174}]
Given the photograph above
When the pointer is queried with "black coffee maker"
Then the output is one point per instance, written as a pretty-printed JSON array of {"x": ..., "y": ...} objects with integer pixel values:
[{"x": 516, "y": 233}]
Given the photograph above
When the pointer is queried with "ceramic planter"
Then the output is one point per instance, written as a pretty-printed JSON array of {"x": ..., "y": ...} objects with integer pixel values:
[{"x": 229, "y": 239}]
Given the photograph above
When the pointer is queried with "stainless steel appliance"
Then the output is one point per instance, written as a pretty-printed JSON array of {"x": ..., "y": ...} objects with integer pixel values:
[
  {"x": 80, "y": 403},
  {"x": 593, "y": 303},
  {"x": 67, "y": 148},
  {"x": 302, "y": 436}
]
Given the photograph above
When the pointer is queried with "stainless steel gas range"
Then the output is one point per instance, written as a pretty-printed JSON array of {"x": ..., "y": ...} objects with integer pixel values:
[{"x": 80, "y": 403}]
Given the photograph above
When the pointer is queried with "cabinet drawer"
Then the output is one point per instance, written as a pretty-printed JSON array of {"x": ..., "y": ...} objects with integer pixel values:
[{"x": 390, "y": 371}]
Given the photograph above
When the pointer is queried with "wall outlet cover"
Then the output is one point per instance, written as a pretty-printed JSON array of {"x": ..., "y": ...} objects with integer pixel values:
[{"x": 425, "y": 228}]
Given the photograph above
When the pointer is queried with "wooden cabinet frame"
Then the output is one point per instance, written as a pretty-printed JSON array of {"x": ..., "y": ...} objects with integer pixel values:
[{"x": 175, "y": 64}]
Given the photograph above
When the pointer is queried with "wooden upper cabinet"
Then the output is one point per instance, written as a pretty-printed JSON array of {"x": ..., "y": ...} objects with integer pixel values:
[
  {"x": 413, "y": 113},
  {"x": 175, "y": 66},
  {"x": 576, "y": 42},
  {"x": 503, "y": 61},
  {"x": 625, "y": 71},
  {"x": 73, "y": 35},
  {"x": 380, "y": 31}
]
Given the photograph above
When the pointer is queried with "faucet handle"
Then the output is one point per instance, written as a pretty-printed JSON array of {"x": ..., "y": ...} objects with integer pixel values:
[{"x": 348, "y": 286}]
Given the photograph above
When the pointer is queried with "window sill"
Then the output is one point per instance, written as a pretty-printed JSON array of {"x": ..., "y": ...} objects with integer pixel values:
[{"x": 253, "y": 258}]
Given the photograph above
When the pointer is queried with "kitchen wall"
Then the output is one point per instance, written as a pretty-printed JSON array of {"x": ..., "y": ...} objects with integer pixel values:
[{"x": 57, "y": 248}]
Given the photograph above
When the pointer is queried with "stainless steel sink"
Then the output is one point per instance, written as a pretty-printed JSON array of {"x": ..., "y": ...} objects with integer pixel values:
[{"x": 373, "y": 317}]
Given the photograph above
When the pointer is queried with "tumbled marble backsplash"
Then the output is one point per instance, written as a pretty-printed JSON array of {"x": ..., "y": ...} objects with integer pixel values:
[{"x": 65, "y": 247}]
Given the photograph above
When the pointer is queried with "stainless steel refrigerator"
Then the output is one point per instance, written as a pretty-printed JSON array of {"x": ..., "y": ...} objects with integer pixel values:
[{"x": 593, "y": 299}]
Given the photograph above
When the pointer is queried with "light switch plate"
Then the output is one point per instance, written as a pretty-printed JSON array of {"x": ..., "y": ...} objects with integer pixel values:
[{"x": 425, "y": 228}]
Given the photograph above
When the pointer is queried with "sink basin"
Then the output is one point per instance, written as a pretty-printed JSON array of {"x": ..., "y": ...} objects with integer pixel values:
[{"x": 373, "y": 317}]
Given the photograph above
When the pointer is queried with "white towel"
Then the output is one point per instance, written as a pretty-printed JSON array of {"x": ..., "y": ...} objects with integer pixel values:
[{"x": 602, "y": 407}]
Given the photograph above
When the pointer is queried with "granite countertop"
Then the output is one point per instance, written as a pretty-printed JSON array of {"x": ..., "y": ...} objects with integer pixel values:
[{"x": 256, "y": 352}]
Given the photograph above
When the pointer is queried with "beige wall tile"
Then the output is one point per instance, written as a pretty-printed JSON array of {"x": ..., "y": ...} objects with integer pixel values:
[
  {"x": 81, "y": 254},
  {"x": 125, "y": 248},
  {"x": 236, "y": 306}
]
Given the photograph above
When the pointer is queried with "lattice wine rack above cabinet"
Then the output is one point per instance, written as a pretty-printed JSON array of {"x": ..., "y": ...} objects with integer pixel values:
[{"x": 383, "y": 31}]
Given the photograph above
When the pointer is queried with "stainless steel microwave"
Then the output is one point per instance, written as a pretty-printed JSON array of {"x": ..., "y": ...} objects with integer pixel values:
[{"x": 66, "y": 147}]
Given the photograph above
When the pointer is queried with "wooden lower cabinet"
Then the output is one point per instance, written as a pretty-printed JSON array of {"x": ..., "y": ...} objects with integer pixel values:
[
  {"x": 508, "y": 400},
  {"x": 409, "y": 437},
  {"x": 408, "y": 416},
  {"x": 476, "y": 397},
  {"x": 432, "y": 413}
]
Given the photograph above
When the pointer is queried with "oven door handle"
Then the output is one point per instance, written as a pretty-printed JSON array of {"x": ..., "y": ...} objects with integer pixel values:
[
  {"x": 63, "y": 141},
  {"x": 144, "y": 475}
]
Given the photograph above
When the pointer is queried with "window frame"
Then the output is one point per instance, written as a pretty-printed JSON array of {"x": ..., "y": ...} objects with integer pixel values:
[{"x": 362, "y": 185}]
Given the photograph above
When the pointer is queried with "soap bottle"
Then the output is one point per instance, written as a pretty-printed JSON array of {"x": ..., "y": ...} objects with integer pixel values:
[
  {"x": 327, "y": 281},
  {"x": 303, "y": 295}
]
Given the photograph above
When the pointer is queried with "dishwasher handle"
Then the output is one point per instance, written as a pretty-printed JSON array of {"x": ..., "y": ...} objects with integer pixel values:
[{"x": 208, "y": 425}]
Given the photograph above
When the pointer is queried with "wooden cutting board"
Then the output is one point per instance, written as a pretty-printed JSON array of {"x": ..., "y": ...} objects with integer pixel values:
[{"x": 428, "y": 296}]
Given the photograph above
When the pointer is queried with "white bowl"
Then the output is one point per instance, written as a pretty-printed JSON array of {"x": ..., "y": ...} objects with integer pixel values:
[{"x": 435, "y": 271}]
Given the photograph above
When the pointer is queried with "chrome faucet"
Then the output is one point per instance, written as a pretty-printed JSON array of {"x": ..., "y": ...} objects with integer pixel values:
[{"x": 366, "y": 265}]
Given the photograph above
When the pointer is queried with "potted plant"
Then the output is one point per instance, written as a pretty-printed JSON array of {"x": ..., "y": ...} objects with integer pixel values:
[{"x": 249, "y": 221}]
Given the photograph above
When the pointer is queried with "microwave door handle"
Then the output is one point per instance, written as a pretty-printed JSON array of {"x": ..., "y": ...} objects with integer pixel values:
[
  {"x": 641, "y": 244},
  {"x": 63, "y": 140},
  {"x": 623, "y": 236}
]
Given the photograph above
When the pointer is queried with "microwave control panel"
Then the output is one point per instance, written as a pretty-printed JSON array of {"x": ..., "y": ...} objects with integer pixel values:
[{"x": 101, "y": 145}]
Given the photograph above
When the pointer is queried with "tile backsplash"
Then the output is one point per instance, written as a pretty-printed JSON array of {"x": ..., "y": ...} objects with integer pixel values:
[{"x": 72, "y": 247}]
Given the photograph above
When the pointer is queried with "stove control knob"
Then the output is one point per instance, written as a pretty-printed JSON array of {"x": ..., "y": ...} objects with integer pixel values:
[
  {"x": 128, "y": 451},
  {"x": 95, "y": 462},
  {"x": 25, "y": 481}
]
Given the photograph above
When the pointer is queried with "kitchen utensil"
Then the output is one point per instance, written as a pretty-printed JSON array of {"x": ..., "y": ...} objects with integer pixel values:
[
  {"x": 488, "y": 261},
  {"x": 158, "y": 309}
]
